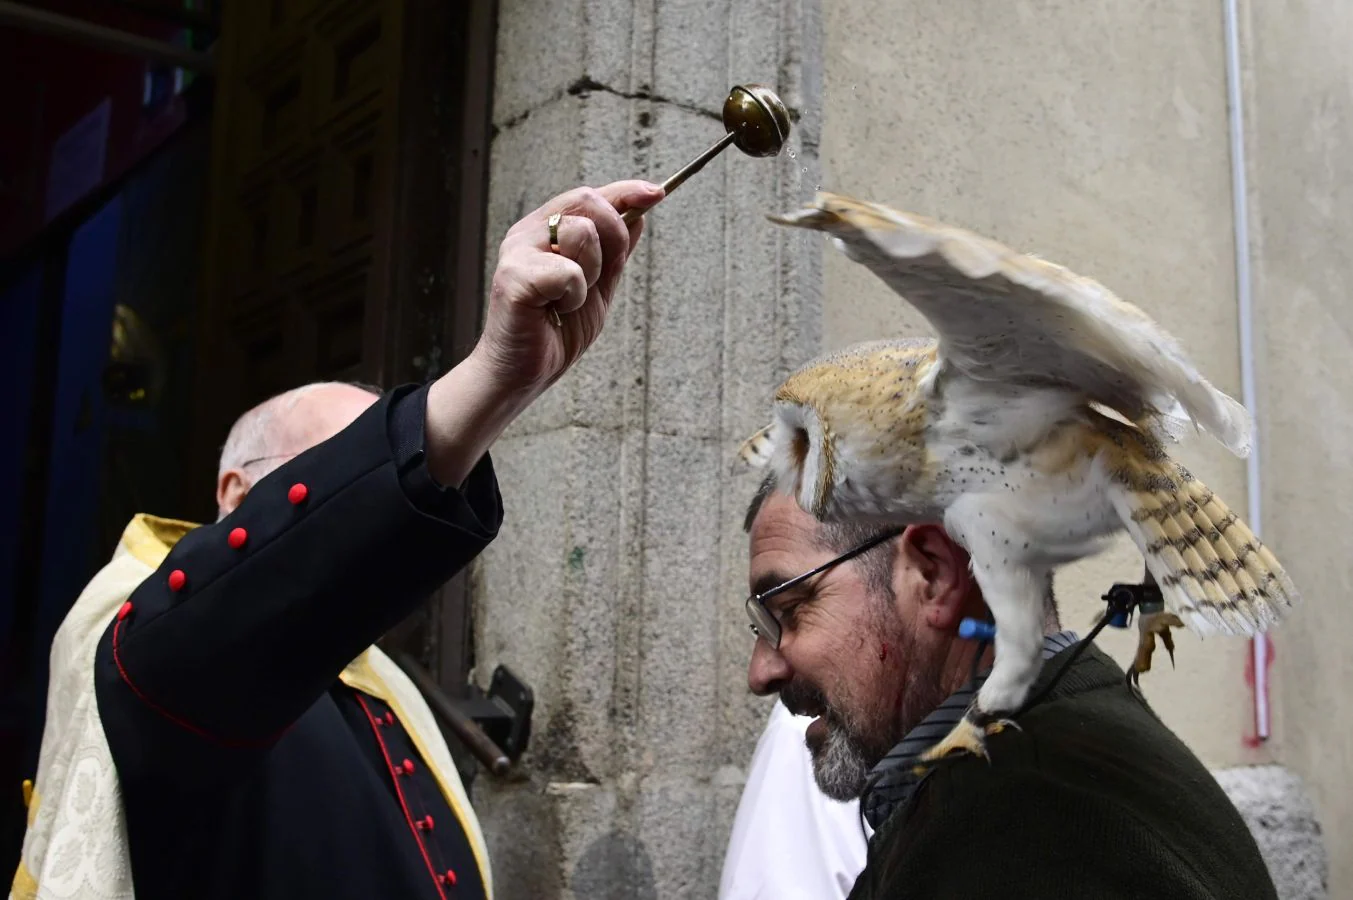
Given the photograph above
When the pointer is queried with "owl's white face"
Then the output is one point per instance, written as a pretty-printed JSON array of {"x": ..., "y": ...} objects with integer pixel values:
[
  {"x": 847, "y": 433},
  {"x": 804, "y": 456}
]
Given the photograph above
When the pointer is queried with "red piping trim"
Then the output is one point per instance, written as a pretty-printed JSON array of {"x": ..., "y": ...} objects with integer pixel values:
[
  {"x": 403, "y": 805},
  {"x": 178, "y": 720}
]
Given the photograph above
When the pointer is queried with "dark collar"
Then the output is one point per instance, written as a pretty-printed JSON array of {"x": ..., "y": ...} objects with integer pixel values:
[{"x": 893, "y": 779}]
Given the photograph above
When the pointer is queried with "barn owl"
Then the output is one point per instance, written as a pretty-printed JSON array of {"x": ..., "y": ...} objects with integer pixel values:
[{"x": 1034, "y": 428}]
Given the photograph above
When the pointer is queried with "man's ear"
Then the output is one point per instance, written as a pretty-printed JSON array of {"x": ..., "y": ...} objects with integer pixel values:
[
  {"x": 230, "y": 490},
  {"x": 942, "y": 565}
]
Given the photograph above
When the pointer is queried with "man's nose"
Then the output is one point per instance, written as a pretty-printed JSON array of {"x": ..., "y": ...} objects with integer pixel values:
[{"x": 768, "y": 670}]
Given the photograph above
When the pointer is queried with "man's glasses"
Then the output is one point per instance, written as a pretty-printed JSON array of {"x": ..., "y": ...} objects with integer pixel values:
[
  {"x": 764, "y": 623},
  {"x": 259, "y": 459}
]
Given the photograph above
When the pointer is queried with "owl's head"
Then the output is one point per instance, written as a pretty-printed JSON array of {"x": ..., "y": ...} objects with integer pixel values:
[{"x": 844, "y": 428}]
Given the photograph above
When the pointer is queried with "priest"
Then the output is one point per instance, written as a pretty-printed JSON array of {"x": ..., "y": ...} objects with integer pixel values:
[{"x": 219, "y": 724}]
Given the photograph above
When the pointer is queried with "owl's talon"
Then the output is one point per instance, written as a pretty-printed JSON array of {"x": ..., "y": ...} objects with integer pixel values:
[
  {"x": 969, "y": 735},
  {"x": 1168, "y": 640},
  {"x": 999, "y": 725},
  {"x": 1149, "y": 626},
  {"x": 965, "y": 736}
]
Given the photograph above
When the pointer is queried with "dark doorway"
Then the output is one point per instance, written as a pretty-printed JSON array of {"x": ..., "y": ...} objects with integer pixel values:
[{"x": 177, "y": 246}]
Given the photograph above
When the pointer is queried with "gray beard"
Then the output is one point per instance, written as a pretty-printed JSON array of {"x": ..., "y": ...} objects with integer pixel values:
[
  {"x": 841, "y": 764},
  {"x": 857, "y": 739},
  {"x": 843, "y": 759}
]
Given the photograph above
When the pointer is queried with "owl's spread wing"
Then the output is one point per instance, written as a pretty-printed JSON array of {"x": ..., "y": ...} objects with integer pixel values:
[
  {"x": 1007, "y": 317},
  {"x": 756, "y": 451}
]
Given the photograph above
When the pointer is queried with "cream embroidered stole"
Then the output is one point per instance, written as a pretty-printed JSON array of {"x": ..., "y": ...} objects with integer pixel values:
[{"x": 75, "y": 847}]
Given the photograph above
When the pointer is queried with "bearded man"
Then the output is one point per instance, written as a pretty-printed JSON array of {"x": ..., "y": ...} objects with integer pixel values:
[{"x": 1089, "y": 796}]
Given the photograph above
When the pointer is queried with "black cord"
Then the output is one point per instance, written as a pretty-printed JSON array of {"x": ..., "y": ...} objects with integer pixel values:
[
  {"x": 874, "y": 779},
  {"x": 1123, "y": 600},
  {"x": 1120, "y": 602},
  {"x": 864, "y": 794},
  {"x": 981, "y": 650},
  {"x": 1061, "y": 670},
  {"x": 975, "y": 672}
]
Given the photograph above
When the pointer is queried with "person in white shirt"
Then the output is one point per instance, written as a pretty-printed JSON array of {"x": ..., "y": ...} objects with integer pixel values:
[{"x": 790, "y": 841}]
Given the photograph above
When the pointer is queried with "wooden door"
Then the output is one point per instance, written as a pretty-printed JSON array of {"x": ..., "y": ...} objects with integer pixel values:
[{"x": 345, "y": 229}]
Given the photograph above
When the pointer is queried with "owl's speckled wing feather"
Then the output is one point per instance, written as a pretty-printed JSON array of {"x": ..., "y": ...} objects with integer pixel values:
[{"x": 1006, "y": 317}]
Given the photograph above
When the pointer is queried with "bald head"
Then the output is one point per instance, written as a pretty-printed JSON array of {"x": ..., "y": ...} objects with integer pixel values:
[{"x": 281, "y": 427}]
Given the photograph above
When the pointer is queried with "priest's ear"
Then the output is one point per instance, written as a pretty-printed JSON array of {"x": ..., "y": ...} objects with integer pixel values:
[
  {"x": 938, "y": 576},
  {"x": 230, "y": 490}
]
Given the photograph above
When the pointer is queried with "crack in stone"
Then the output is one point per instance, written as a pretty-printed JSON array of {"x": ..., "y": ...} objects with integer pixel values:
[{"x": 588, "y": 85}]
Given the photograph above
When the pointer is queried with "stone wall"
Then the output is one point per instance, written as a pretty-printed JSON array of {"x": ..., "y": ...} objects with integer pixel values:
[
  {"x": 1096, "y": 135},
  {"x": 1299, "y": 118},
  {"x": 614, "y": 587},
  {"x": 1092, "y": 134},
  {"x": 1279, "y": 812}
]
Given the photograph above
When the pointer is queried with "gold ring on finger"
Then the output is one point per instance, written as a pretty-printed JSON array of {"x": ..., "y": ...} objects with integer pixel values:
[{"x": 553, "y": 223}]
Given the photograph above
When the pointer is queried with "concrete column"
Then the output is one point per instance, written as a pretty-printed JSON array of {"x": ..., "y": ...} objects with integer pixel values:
[
  {"x": 1281, "y": 815},
  {"x": 1299, "y": 127},
  {"x": 615, "y": 586}
]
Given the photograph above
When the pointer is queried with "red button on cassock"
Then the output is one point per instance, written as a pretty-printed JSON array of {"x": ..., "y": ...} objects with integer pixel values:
[
  {"x": 124, "y": 611},
  {"x": 238, "y": 537},
  {"x": 448, "y": 878},
  {"x": 425, "y": 824},
  {"x": 177, "y": 579},
  {"x": 298, "y": 493},
  {"x": 407, "y": 767},
  {"x": 389, "y": 718}
]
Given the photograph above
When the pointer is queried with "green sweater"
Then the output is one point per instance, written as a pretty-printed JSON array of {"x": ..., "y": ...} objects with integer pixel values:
[{"x": 1094, "y": 798}]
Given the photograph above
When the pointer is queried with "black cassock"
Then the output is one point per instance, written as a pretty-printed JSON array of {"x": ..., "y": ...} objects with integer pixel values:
[{"x": 248, "y": 770}]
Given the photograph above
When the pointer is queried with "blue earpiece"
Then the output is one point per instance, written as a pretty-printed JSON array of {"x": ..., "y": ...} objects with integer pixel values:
[{"x": 976, "y": 630}]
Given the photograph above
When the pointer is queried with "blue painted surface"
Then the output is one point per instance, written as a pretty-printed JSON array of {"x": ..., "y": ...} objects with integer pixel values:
[
  {"x": 70, "y": 523},
  {"x": 78, "y": 419},
  {"x": 19, "y": 325}
]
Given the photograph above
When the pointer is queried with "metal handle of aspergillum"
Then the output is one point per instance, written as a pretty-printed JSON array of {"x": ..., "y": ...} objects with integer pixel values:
[{"x": 756, "y": 122}]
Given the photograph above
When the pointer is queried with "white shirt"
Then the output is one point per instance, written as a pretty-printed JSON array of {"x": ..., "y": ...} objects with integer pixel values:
[{"x": 790, "y": 841}]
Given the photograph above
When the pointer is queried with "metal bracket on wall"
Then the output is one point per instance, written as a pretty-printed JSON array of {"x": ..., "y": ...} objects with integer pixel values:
[
  {"x": 504, "y": 712},
  {"x": 495, "y": 727}
]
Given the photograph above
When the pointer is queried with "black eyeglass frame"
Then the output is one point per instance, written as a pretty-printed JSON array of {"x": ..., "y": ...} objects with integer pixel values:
[
  {"x": 259, "y": 459},
  {"x": 763, "y": 622}
]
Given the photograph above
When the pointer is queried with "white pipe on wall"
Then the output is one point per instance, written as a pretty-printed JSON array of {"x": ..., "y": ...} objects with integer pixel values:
[{"x": 1245, "y": 312}]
